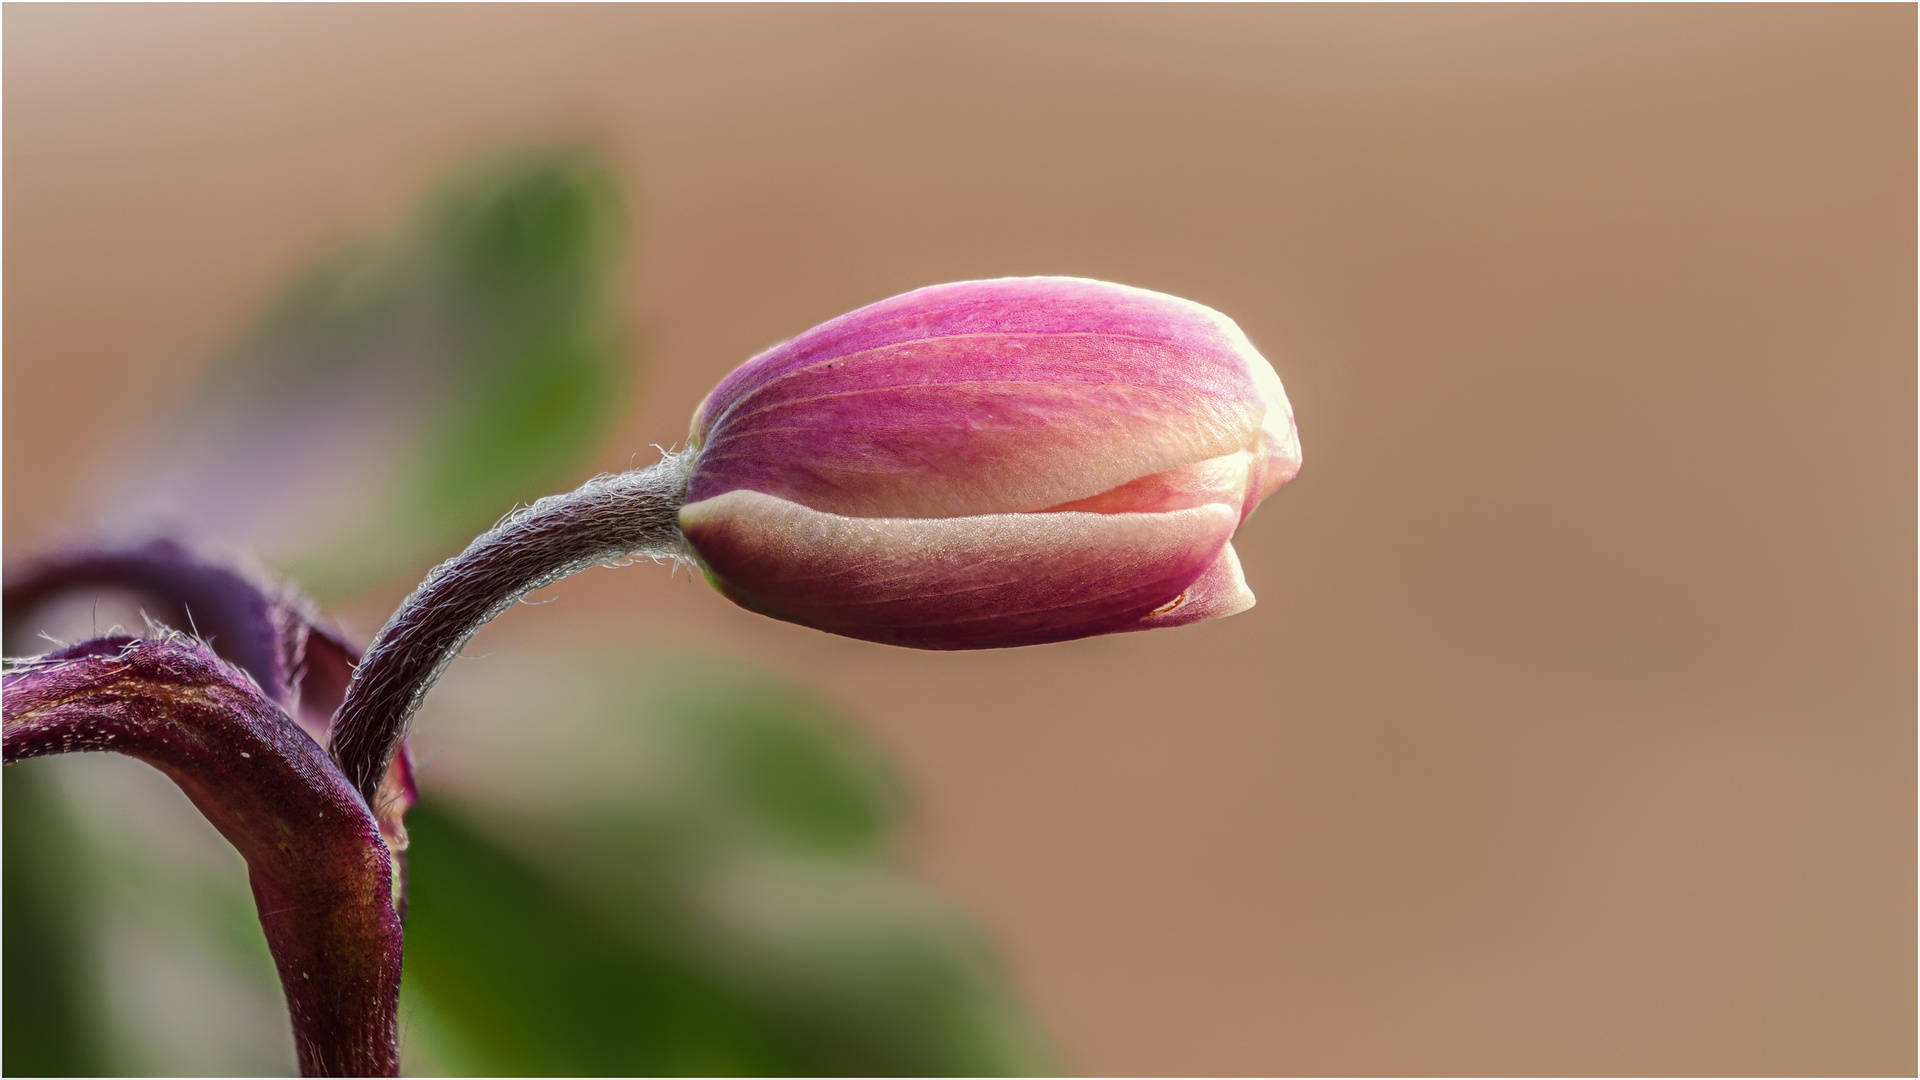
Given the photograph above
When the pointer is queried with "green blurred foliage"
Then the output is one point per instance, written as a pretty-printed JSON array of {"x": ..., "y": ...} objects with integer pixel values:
[
  {"x": 524, "y": 980},
  {"x": 527, "y": 249},
  {"x": 716, "y": 889},
  {"x": 679, "y": 866},
  {"x": 154, "y": 952},
  {"x": 399, "y": 397},
  {"x": 48, "y": 1010}
]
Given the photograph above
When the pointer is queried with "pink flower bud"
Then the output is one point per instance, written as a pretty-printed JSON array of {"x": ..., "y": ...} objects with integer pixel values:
[{"x": 991, "y": 463}]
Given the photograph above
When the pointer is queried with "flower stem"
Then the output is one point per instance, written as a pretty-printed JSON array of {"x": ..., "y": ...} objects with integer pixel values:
[
  {"x": 607, "y": 518},
  {"x": 322, "y": 875}
]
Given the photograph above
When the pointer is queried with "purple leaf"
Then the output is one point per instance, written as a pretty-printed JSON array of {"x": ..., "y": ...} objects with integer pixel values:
[
  {"x": 267, "y": 628},
  {"x": 260, "y": 625}
]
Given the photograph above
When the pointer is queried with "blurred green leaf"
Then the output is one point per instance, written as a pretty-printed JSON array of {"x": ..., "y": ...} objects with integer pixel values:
[
  {"x": 534, "y": 984},
  {"x": 399, "y": 397},
  {"x": 621, "y": 866},
  {"x": 714, "y": 888},
  {"x": 530, "y": 247},
  {"x": 160, "y": 953},
  {"x": 47, "y": 1003}
]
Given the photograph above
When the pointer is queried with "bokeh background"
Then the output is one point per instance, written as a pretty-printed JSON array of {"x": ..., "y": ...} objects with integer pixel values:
[{"x": 1574, "y": 730}]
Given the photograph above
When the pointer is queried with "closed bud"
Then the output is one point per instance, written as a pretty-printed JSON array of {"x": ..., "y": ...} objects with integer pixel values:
[{"x": 991, "y": 463}]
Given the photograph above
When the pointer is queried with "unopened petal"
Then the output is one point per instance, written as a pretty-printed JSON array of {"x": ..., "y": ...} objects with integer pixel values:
[
  {"x": 1215, "y": 480},
  {"x": 1013, "y": 395},
  {"x": 1276, "y": 463},
  {"x": 1220, "y": 591},
  {"x": 987, "y": 581},
  {"x": 1013, "y": 305},
  {"x": 1277, "y": 450}
]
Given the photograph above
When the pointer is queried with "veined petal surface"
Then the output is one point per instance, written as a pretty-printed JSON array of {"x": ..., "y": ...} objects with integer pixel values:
[
  {"x": 988, "y": 581},
  {"x": 985, "y": 397}
]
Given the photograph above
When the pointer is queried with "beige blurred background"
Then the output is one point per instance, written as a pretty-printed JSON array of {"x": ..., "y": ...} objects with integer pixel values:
[{"x": 1574, "y": 731}]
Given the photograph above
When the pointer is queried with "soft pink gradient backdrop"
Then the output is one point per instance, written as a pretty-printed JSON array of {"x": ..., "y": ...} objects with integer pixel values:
[{"x": 1574, "y": 731}]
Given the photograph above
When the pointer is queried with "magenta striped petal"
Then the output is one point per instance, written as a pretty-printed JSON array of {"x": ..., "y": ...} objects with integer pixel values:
[
  {"x": 988, "y": 581},
  {"x": 984, "y": 397}
]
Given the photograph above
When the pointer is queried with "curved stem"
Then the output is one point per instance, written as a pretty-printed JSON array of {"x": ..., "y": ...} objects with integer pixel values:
[
  {"x": 267, "y": 628},
  {"x": 256, "y": 623},
  {"x": 607, "y": 518},
  {"x": 322, "y": 875}
]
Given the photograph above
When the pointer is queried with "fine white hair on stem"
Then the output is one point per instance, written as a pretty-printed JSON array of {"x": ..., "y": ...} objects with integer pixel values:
[{"x": 612, "y": 517}]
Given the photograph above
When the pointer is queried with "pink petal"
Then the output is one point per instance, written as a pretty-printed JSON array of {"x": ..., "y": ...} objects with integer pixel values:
[
  {"x": 987, "y": 581},
  {"x": 1215, "y": 480},
  {"x": 984, "y": 397},
  {"x": 1016, "y": 305},
  {"x": 1220, "y": 591}
]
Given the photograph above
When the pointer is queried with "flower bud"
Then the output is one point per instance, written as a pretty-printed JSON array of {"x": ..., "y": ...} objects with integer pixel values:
[{"x": 991, "y": 463}]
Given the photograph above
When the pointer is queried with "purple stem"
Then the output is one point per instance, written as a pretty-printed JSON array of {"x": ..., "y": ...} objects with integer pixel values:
[
  {"x": 605, "y": 519},
  {"x": 321, "y": 874},
  {"x": 256, "y": 623}
]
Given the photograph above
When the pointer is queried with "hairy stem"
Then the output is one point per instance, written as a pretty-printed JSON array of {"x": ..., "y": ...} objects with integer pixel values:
[
  {"x": 256, "y": 623},
  {"x": 607, "y": 518},
  {"x": 322, "y": 875}
]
